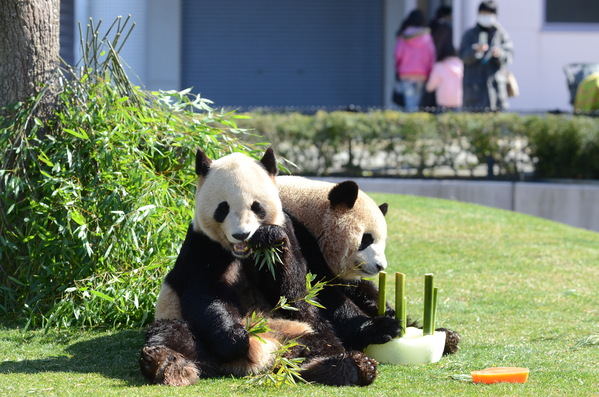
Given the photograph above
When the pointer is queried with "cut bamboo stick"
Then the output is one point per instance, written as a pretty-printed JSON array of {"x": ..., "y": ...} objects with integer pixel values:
[
  {"x": 435, "y": 293},
  {"x": 428, "y": 326},
  {"x": 382, "y": 304},
  {"x": 400, "y": 301}
]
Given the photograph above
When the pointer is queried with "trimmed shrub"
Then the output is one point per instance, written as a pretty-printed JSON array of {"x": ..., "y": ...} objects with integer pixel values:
[
  {"x": 390, "y": 143},
  {"x": 565, "y": 147}
]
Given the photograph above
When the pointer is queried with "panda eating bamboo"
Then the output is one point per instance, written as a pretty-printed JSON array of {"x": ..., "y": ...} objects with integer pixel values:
[{"x": 206, "y": 299}]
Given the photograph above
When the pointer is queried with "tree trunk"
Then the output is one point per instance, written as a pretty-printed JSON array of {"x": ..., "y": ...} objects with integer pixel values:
[{"x": 29, "y": 51}]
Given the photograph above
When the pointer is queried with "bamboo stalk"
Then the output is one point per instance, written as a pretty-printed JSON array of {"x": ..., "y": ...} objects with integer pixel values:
[
  {"x": 435, "y": 293},
  {"x": 382, "y": 304},
  {"x": 428, "y": 327},
  {"x": 400, "y": 301}
]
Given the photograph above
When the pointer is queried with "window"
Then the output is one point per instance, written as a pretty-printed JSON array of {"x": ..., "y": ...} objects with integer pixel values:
[{"x": 572, "y": 12}]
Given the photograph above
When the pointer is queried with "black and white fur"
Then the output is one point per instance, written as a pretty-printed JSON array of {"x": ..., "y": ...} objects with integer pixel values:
[
  {"x": 215, "y": 286},
  {"x": 343, "y": 234}
]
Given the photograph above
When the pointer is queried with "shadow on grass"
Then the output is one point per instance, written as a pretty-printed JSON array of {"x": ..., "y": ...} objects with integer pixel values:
[{"x": 113, "y": 356}]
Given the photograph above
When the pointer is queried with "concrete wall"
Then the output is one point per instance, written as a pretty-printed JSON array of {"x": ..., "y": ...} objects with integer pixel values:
[{"x": 573, "y": 204}]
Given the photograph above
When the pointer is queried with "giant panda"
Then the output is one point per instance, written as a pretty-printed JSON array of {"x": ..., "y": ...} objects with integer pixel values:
[
  {"x": 215, "y": 285},
  {"x": 343, "y": 234}
]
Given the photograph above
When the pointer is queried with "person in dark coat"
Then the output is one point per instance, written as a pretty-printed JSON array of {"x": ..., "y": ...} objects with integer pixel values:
[{"x": 486, "y": 49}]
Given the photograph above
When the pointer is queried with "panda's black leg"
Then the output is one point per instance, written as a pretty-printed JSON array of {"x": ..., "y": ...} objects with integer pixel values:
[
  {"x": 327, "y": 362},
  {"x": 317, "y": 344},
  {"x": 345, "y": 369},
  {"x": 164, "y": 366},
  {"x": 171, "y": 355}
]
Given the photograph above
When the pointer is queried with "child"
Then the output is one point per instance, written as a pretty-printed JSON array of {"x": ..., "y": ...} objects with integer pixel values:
[{"x": 446, "y": 78}]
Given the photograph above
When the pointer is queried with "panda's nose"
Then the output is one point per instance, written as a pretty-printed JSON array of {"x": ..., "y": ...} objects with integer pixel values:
[
  {"x": 380, "y": 266},
  {"x": 240, "y": 236}
]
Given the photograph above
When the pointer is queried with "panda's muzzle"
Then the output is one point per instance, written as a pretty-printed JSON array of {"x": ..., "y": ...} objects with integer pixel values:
[
  {"x": 242, "y": 248},
  {"x": 369, "y": 269}
]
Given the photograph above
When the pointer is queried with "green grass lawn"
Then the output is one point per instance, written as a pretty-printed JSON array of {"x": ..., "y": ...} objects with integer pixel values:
[{"x": 522, "y": 291}]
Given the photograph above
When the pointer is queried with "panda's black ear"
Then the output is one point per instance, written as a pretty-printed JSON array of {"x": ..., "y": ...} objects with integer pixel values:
[
  {"x": 202, "y": 163},
  {"x": 344, "y": 193},
  {"x": 269, "y": 162},
  {"x": 384, "y": 207}
]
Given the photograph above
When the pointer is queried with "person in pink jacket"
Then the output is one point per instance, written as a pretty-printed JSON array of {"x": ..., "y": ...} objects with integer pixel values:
[
  {"x": 446, "y": 78},
  {"x": 414, "y": 58}
]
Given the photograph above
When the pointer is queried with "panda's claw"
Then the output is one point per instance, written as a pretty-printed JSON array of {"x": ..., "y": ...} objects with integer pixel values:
[{"x": 366, "y": 368}]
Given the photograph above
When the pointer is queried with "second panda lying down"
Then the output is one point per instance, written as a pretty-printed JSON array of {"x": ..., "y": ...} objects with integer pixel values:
[
  {"x": 214, "y": 287},
  {"x": 343, "y": 234}
]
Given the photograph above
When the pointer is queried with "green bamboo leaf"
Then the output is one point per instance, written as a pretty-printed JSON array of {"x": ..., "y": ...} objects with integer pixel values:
[
  {"x": 314, "y": 302},
  {"x": 79, "y": 134},
  {"x": 42, "y": 157},
  {"x": 77, "y": 217},
  {"x": 102, "y": 295}
]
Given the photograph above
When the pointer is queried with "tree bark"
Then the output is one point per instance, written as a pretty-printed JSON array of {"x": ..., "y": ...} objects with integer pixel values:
[{"x": 29, "y": 51}]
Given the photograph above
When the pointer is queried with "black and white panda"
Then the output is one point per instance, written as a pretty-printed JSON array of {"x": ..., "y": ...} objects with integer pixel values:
[
  {"x": 343, "y": 233},
  {"x": 215, "y": 286}
]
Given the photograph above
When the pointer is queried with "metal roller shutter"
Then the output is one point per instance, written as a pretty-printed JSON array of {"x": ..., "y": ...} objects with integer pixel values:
[
  {"x": 292, "y": 53},
  {"x": 67, "y": 31}
]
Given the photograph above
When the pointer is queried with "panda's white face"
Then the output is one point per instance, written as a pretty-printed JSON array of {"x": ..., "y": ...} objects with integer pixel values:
[
  {"x": 366, "y": 240},
  {"x": 368, "y": 259},
  {"x": 349, "y": 226},
  {"x": 233, "y": 199}
]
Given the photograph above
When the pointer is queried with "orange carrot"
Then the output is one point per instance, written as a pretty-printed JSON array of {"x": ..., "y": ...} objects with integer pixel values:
[{"x": 500, "y": 374}]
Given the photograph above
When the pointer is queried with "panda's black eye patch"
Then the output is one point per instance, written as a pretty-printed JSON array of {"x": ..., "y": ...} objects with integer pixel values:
[
  {"x": 367, "y": 239},
  {"x": 221, "y": 212},
  {"x": 258, "y": 209}
]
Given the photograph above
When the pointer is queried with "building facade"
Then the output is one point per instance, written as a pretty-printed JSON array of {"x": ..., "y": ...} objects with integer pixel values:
[{"x": 331, "y": 54}]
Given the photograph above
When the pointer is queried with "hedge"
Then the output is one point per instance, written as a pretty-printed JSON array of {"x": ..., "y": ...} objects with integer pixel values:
[{"x": 393, "y": 143}]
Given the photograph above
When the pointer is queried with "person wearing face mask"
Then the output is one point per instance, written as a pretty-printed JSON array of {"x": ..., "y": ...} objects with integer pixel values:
[{"x": 486, "y": 49}]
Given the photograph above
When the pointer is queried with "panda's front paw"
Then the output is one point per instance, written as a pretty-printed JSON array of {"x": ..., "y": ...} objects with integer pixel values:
[
  {"x": 268, "y": 236},
  {"x": 164, "y": 366},
  {"x": 232, "y": 344},
  {"x": 379, "y": 330}
]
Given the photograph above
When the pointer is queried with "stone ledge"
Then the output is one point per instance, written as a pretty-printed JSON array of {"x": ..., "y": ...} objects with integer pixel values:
[{"x": 573, "y": 204}]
